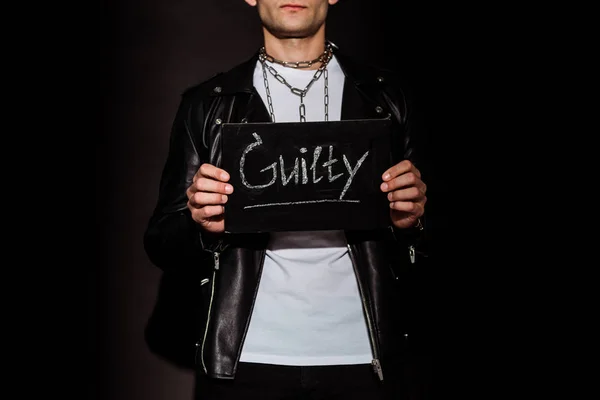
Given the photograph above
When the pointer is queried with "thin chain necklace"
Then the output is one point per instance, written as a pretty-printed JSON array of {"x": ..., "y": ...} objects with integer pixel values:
[{"x": 322, "y": 70}]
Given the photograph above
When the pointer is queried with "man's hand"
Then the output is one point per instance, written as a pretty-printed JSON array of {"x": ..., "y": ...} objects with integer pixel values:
[
  {"x": 206, "y": 197},
  {"x": 406, "y": 193}
]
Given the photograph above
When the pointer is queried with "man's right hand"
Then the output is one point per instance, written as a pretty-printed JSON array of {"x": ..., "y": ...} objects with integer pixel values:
[{"x": 206, "y": 197}]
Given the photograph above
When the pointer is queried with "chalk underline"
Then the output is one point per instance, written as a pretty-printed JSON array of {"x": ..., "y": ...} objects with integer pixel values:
[{"x": 291, "y": 203}]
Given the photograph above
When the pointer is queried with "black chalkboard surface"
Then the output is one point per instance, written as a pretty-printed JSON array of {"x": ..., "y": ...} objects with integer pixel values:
[{"x": 291, "y": 176}]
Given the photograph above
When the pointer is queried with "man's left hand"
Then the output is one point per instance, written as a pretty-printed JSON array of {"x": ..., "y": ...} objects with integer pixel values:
[{"x": 406, "y": 193}]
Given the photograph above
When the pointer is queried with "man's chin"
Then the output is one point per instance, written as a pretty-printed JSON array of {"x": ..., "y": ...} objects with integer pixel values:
[{"x": 293, "y": 34}]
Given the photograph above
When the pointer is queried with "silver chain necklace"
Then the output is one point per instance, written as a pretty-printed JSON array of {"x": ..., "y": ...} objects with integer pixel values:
[
  {"x": 298, "y": 64},
  {"x": 322, "y": 70}
]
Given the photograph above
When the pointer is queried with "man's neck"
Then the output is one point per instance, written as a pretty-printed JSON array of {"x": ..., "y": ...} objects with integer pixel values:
[{"x": 295, "y": 49}]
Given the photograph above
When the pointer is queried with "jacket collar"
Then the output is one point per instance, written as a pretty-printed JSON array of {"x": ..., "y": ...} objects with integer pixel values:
[{"x": 238, "y": 79}]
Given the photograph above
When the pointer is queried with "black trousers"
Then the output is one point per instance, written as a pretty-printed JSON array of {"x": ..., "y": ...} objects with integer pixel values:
[{"x": 279, "y": 382}]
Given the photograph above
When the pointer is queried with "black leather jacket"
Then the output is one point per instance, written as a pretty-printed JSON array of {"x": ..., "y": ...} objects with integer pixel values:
[{"x": 210, "y": 282}]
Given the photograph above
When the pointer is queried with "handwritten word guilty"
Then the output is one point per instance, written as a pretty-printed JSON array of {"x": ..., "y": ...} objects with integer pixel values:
[{"x": 300, "y": 171}]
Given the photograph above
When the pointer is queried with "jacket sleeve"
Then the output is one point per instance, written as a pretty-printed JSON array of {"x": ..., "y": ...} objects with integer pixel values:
[
  {"x": 413, "y": 134},
  {"x": 173, "y": 240}
]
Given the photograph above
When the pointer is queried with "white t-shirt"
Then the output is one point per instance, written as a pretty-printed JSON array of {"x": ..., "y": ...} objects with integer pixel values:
[{"x": 308, "y": 309}]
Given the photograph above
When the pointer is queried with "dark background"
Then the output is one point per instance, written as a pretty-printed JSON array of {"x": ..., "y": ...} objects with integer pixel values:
[{"x": 153, "y": 50}]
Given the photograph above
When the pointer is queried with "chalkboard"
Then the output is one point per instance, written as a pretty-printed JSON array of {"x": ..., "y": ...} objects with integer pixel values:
[{"x": 292, "y": 176}]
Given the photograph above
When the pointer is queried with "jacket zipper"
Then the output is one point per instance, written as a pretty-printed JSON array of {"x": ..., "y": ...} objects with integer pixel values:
[
  {"x": 411, "y": 249},
  {"x": 411, "y": 253},
  {"x": 216, "y": 256},
  {"x": 375, "y": 362}
]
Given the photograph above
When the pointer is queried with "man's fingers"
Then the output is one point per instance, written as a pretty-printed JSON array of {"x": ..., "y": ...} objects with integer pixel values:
[
  {"x": 399, "y": 169},
  {"x": 405, "y": 180},
  {"x": 200, "y": 199},
  {"x": 207, "y": 212},
  {"x": 408, "y": 206},
  {"x": 206, "y": 194},
  {"x": 210, "y": 171},
  {"x": 411, "y": 193},
  {"x": 212, "y": 186}
]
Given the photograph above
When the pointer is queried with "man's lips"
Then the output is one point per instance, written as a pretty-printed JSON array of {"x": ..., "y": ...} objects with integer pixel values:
[{"x": 292, "y": 6}]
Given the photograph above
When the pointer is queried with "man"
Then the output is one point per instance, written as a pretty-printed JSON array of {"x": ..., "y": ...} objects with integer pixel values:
[{"x": 285, "y": 314}]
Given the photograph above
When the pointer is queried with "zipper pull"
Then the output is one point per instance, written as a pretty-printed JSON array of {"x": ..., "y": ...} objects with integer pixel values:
[
  {"x": 377, "y": 369},
  {"x": 411, "y": 254},
  {"x": 197, "y": 352},
  {"x": 216, "y": 255}
]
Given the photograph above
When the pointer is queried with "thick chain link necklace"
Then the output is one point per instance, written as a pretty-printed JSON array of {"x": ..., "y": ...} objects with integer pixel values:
[
  {"x": 299, "y": 64},
  {"x": 322, "y": 70}
]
